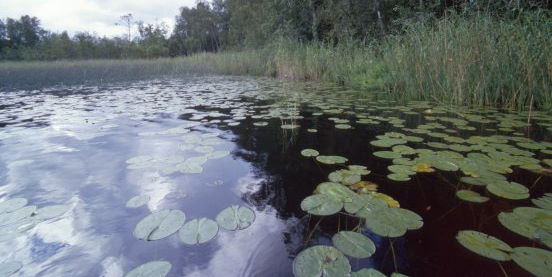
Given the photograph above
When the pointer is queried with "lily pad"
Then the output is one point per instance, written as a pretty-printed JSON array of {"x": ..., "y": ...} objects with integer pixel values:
[
  {"x": 471, "y": 196},
  {"x": 331, "y": 159},
  {"x": 336, "y": 190},
  {"x": 321, "y": 261},
  {"x": 544, "y": 201},
  {"x": 399, "y": 177},
  {"x": 392, "y": 222},
  {"x": 484, "y": 245},
  {"x": 354, "y": 244},
  {"x": 364, "y": 202},
  {"x": 508, "y": 190},
  {"x": 198, "y": 231},
  {"x": 344, "y": 176},
  {"x": 151, "y": 269},
  {"x": 235, "y": 218},
  {"x": 321, "y": 204},
  {"x": 387, "y": 154},
  {"x": 309, "y": 153},
  {"x": 137, "y": 201},
  {"x": 159, "y": 225},
  {"x": 359, "y": 169},
  {"x": 535, "y": 260}
]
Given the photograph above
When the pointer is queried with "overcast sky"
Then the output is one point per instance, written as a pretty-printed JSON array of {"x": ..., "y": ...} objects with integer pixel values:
[{"x": 97, "y": 16}]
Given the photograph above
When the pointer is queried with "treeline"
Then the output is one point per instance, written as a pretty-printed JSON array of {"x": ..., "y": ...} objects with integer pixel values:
[{"x": 238, "y": 24}]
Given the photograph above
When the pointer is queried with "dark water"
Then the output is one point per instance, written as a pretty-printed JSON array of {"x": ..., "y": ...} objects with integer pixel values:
[{"x": 69, "y": 145}]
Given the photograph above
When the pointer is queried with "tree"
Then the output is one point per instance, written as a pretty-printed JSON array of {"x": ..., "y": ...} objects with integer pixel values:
[
  {"x": 127, "y": 22},
  {"x": 24, "y": 32}
]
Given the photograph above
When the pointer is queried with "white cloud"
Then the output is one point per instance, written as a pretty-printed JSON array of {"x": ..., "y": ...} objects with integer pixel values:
[{"x": 97, "y": 16}]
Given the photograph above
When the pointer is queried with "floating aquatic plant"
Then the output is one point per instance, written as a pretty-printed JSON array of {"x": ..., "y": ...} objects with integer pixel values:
[
  {"x": 198, "y": 231},
  {"x": 484, "y": 245},
  {"x": 471, "y": 196},
  {"x": 391, "y": 222},
  {"x": 535, "y": 260},
  {"x": 321, "y": 204},
  {"x": 331, "y": 159},
  {"x": 235, "y": 218},
  {"x": 309, "y": 153},
  {"x": 321, "y": 261},
  {"x": 151, "y": 269},
  {"x": 159, "y": 225},
  {"x": 354, "y": 244}
]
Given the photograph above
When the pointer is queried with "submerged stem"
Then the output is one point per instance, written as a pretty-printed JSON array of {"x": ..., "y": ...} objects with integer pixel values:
[
  {"x": 502, "y": 269},
  {"x": 312, "y": 231},
  {"x": 393, "y": 253}
]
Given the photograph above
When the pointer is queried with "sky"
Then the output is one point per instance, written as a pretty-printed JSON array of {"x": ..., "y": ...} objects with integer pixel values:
[{"x": 95, "y": 16}]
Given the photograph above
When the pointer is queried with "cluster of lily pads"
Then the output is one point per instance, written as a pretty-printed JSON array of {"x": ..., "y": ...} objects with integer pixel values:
[
  {"x": 202, "y": 144},
  {"x": 16, "y": 218},
  {"x": 534, "y": 223},
  {"x": 346, "y": 191},
  {"x": 161, "y": 224}
]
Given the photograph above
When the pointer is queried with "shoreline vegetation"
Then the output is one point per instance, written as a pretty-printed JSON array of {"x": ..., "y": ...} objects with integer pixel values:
[{"x": 475, "y": 60}]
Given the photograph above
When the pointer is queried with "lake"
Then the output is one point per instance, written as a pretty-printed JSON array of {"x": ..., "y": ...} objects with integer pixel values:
[{"x": 73, "y": 156}]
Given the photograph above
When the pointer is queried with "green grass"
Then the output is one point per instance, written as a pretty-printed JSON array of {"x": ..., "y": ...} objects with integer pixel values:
[
  {"x": 470, "y": 61},
  {"x": 478, "y": 61}
]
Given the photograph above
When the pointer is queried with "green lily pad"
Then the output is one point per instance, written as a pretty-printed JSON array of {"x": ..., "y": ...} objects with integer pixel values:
[
  {"x": 336, "y": 190},
  {"x": 137, "y": 201},
  {"x": 12, "y": 204},
  {"x": 532, "y": 223},
  {"x": 159, "y": 225},
  {"x": 344, "y": 176},
  {"x": 309, "y": 153},
  {"x": 473, "y": 181},
  {"x": 151, "y": 269},
  {"x": 471, "y": 196},
  {"x": 508, "y": 190},
  {"x": 404, "y": 150},
  {"x": 321, "y": 204},
  {"x": 364, "y": 202},
  {"x": 367, "y": 272},
  {"x": 484, "y": 245},
  {"x": 392, "y": 222},
  {"x": 535, "y": 260},
  {"x": 359, "y": 169},
  {"x": 401, "y": 169},
  {"x": 321, "y": 261},
  {"x": 354, "y": 244},
  {"x": 343, "y": 126},
  {"x": 387, "y": 155},
  {"x": 9, "y": 268},
  {"x": 399, "y": 177},
  {"x": 198, "y": 231},
  {"x": 331, "y": 159},
  {"x": 544, "y": 202},
  {"x": 235, "y": 218}
]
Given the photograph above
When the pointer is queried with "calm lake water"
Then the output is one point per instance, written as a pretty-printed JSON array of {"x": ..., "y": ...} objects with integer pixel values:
[{"x": 70, "y": 145}]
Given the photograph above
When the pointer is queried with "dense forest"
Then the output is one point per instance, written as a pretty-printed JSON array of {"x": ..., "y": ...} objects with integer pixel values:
[{"x": 237, "y": 24}]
